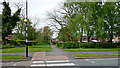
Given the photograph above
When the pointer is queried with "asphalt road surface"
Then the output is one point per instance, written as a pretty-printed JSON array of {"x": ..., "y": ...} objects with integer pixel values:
[{"x": 77, "y": 63}]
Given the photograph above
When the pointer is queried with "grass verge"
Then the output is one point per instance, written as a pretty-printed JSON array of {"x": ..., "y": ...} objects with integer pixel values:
[
  {"x": 35, "y": 48},
  {"x": 86, "y": 55},
  {"x": 91, "y": 49},
  {"x": 11, "y": 57}
]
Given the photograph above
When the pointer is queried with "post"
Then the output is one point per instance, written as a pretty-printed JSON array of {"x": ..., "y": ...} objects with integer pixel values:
[
  {"x": 26, "y": 41},
  {"x": 26, "y": 30}
]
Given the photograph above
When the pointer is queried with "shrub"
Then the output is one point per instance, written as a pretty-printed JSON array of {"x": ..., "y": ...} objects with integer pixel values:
[
  {"x": 68, "y": 45},
  {"x": 30, "y": 43},
  {"x": 59, "y": 44},
  {"x": 13, "y": 42},
  {"x": 86, "y": 45},
  {"x": 4, "y": 47},
  {"x": 106, "y": 45},
  {"x": 22, "y": 42}
]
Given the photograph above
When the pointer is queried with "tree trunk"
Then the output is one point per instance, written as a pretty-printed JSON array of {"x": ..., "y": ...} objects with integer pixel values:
[
  {"x": 111, "y": 37},
  {"x": 4, "y": 42},
  {"x": 81, "y": 35},
  {"x": 81, "y": 38},
  {"x": 88, "y": 38},
  {"x": 111, "y": 34}
]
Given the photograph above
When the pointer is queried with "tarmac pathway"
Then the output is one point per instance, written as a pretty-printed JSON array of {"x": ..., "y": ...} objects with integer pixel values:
[{"x": 57, "y": 53}]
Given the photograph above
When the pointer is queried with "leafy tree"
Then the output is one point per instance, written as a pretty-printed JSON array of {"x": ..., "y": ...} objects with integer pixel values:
[
  {"x": 89, "y": 18},
  {"x": 44, "y": 35},
  {"x": 9, "y": 21}
]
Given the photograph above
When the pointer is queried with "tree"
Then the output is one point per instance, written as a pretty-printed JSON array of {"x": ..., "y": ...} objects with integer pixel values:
[
  {"x": 8, "y": 21},
  {"x": 44, "y": 35},
  {"x": 89, "y": 18},
  {"x": 0, "y": 27},
  {"x": 39, "y": 36},
  {"x": 47, "y": 34}
]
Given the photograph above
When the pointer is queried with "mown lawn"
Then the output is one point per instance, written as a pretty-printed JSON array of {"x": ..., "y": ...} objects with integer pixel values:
[
  {"x": 86, "y": 55},
  {"x": 11, "y": 57},
  {"x": 35, "y": 48},
  {"x": 91, "y": 49}
]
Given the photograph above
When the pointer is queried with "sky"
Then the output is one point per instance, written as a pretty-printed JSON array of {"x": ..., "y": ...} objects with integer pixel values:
[{"x": 36, "y": 9}]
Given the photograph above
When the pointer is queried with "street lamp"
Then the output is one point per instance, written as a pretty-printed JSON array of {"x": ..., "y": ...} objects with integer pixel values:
[{"x": 26, "y": 21}]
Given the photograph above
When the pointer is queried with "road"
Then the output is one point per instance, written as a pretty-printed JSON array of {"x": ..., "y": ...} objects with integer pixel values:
[{"x": 76, "y": 63}]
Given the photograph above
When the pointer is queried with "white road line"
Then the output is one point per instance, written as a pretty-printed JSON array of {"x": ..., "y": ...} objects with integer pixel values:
[
  {"x": 57, "y": 61},
  {"x": 38, "y": 62},
  {"x": 114, "y": 58},
  {"x": 14, "y": 64},
  {"x": 61, "y": 64},
  {"x": 38, "y": 65},
  {"x": 86, "y": 59},
  {"x": 104, "y": 59},
  {"x": 93, "y": 62}
]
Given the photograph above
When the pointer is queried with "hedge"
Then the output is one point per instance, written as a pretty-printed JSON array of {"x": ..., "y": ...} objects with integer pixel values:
[
  {"x": 86, "y": 45},
  {"x": 30, "y": 43},
  {"x": 13, "y": 42},
  {"x": 21, "y": 42}
]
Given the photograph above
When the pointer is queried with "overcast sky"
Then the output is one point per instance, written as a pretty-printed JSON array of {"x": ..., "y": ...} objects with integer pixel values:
[{"x": 37, "y": 9}]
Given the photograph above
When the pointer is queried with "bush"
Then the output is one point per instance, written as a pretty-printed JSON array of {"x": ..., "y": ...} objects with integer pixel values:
[
  {"x": 22, "y": 42},
  {"x": 59, "y": 44},
  {"x": 68, "y": 45},
  {"x": 86, "y": 45},
  {"x": 13, "y": 42},
  {"x": 30, "y": 43},
  {"x": 4, "y": 47},
  {"x": 106, "y": 45}
]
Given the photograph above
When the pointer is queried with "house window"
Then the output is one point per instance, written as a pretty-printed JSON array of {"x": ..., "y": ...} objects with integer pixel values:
[{"x": 115, "y": 41}]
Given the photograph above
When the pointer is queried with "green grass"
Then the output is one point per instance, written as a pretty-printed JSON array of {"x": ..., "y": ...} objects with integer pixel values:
[
  {"x": 86, "y": 55},
  {"x": 35, "y": 48},
  {"x": 91, "y": 49},
  {"x": 11, "y": 57}
]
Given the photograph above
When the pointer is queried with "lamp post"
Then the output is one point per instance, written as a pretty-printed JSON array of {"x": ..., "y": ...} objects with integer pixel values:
[{"x": 26, "y": 21}]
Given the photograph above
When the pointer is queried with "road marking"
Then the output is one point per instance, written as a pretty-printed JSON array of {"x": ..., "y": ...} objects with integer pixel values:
[
  {"x": 104, "y": 59},
  {"x": 61, "y": 64},
  {"x": 114, "y": 58},
  {"x": 53, "y": 63},
  {"x": 14, "y": 64},
  {"x": 38, "y": 62},
  {"x": 93, "y": 62},
  {"x": 86, "y": 59},
  {"x": 38, "y": 65},
  {"x": 57, "y": 61}
]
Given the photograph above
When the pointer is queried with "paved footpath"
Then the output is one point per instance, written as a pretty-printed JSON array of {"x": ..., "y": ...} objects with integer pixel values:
[
  {"x": 58, "y": 54},
  {"x": 60, "y": 59},
  {"x": 42, "y": 56}
]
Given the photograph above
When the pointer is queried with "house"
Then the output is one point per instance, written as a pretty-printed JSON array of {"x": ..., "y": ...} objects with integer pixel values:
[
  {"x": 116, "y": 39},
  {"x": 54, "y": 40},
  {"x": 9, "y": 37},
  {"x": 84, "y": 39}
]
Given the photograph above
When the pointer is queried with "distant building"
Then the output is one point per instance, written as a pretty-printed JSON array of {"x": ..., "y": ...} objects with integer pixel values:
[
  {"x": 116, "y": 39},
  {"x": 54, "y": 40},
  {"x": 9, "y": 37},
  {"x": 84, "y": 39}
]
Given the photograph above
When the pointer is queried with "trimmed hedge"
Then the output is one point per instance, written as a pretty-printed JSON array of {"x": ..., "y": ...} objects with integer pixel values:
[
  {"x": 30, "y": 43},
  {"x": 86, "y": 45},
  {"x": 21, "y": 42},
  {"x": 13, "y": 42}
]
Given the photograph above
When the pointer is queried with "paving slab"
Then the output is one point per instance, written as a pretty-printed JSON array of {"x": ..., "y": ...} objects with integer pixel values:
[{"x": 39, "y": 56}]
